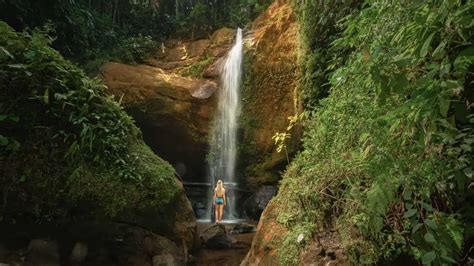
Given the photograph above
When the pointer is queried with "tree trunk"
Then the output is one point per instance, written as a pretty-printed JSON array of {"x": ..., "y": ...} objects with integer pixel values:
[
  {"x": 177, "y": 8},
  {"x": 115, "y": 13}
]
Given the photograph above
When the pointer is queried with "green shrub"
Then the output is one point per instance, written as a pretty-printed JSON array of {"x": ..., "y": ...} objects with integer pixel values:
[
  {"x": 75, "y": 142},
  {"x": 197, "y": 69},
  {"x": 387, "y": 156}
]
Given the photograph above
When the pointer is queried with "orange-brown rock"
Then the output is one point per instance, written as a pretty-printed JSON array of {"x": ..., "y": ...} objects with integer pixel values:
[
  {"x": 324, "y": 248},
  {"x": 269, "y": 233},
  {"x": 170, "y": 102},
  {"x": 174, "y": 112},
  {"x": 270, "y": 94}
]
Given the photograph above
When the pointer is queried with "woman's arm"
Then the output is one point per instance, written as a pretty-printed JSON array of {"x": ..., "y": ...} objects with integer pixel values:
[{"x": 225, "y": 199}]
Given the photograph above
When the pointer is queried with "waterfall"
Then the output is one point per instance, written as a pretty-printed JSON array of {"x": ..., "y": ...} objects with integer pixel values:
[{"x": 223, "y": 156}]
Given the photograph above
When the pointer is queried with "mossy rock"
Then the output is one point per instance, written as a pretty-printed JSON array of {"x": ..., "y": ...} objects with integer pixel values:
[{"x": 79, "y": 156}]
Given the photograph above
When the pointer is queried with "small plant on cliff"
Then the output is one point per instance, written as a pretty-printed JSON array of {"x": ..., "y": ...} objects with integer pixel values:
[
  {"x": 197, "y": 69},
  {"x": 280, "y": 138}
]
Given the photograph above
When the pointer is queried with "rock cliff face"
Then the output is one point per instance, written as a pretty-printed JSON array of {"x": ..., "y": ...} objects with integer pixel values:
[
  {"x": 172, "y": 111},
  {"x": 172, "y": 98},
  {"x": 269, "y": 93}
]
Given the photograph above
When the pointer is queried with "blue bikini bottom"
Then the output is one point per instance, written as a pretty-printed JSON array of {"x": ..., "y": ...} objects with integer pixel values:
[{"x": 219, "y": 200}]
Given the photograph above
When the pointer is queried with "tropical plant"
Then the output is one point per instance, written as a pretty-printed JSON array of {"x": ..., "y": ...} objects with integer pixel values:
[{"x": 387, "y": 156}]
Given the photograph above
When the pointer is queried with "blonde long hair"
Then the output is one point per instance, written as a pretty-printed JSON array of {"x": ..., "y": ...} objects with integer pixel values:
[{"x": 220, "y": 188}]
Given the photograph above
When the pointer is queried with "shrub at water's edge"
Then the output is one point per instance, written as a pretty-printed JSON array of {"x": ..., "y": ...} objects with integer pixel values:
[
  {"x": 68, "y": 150},
  {"x": 387, "y": 159}
]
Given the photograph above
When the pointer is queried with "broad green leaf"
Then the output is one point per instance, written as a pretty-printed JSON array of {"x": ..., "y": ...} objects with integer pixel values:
[
  {"x": 440, "y": 51},
  {"x": 30, "y": 54},
  {"x": 464, "y": 59},
  {"x": 431, "y": 224},
  {"x": 416, "y": 227},
  {"x": 427, "y": 206},
  {"x": 409, "y": 213},
  {"x": 429, "y": 237},
  {"x": 444, "y": 106},
  {"x": 426, "y": 45},
  {"x": 451, "y": 84},
  {"x": 468, "y": 172},
  {"x": 466, "y": 147},
  {"x": 399, "y": 83},
  {"x": 428, "y": 258},
  {"x": 407, "y": 194}
]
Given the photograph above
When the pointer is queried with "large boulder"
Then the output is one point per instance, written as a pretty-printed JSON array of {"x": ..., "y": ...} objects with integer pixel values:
[
  {"x": 175, "y": 221},
  {"x": 78, "y": 253},
  {"x": 269, "y": 232},
  {"x": 124, "y": 244},
  {"x": 141, "y": 247},
  {"x": 42, "y": 252},
  {"x": 217, "y": 237},
  {"x": 173, "y": 112}
]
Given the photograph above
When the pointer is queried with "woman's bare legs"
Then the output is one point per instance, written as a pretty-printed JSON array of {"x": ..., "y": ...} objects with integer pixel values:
[{"x": 221, "y": 209}]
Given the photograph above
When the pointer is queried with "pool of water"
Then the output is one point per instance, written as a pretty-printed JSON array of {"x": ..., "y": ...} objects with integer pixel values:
[{"x": 224, "y": 221}]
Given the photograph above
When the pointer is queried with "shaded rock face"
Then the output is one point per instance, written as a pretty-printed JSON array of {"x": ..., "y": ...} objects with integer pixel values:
[
  {"x": 92, "y": 243},
  {"x": 176, "y": 221},
  {"x": 269, "y": 93},
  {"x": 172, "y": 111},
  {"x": 42, "y": 252},
  {"x": 171, "y": 102},
  {"x": 254, "y": 205}
]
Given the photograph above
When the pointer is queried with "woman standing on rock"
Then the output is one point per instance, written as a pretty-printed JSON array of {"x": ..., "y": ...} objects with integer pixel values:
[{"x": 219, "y": 200}]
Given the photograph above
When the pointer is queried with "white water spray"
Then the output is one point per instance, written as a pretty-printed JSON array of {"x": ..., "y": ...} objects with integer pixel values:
[{"x": 224, "y": 136}]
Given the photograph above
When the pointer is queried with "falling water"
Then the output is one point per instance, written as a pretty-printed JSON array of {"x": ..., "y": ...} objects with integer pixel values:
[{"x": 224, "y": 136}]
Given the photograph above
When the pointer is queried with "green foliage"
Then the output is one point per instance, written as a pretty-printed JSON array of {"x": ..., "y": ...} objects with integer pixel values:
[
  {"x": 280, "y": 138},
  {"x": 197, "y": 69},
  {"x": 91, "y": 32},
  {"x": 387, "y": 156},
  {"x": 88, "y": 30},
  {"x": 75, "y": 139},
  {"x": 320, "y": 23}
]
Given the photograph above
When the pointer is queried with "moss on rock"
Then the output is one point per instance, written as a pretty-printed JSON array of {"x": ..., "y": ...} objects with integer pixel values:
[
  {"x": 79, "y": 155},
  {"x": 269, "y": 93}
]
